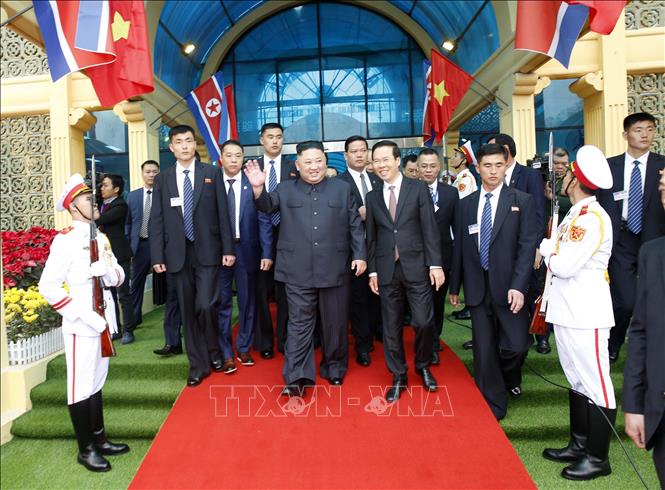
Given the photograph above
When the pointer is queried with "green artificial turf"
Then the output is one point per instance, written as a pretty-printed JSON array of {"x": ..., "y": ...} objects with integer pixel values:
[
  {"x": 141, "y": 389},
  {"x": 539, "y": 419}
]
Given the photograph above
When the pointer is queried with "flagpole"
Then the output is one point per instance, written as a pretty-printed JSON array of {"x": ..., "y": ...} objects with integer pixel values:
[
  {"x": 177, "y": 115},
  {"x": 17, "y": 14},
  {"x": 167, "y": 110},
  {"x": 488, "y": 90}
]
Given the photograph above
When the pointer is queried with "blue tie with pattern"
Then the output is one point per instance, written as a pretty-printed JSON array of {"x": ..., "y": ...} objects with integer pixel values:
[
  {"x": 187, "y": 205},
  {"x": 272, "y": 185},
  {"x": 635, "y": 199},
  {"x": 486, "y": 232}
]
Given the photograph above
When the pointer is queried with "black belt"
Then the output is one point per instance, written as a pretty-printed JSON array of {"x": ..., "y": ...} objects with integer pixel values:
[
  {"x": 143, "y": 239},
  {"x": 236, "y": 240}
]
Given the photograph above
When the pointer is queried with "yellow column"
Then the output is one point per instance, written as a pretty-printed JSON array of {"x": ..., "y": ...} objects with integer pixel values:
[
  {"x": 143, "y": 138},
  {"x": 203, "y": 151},
  {"x": 605, "y": 93},
  {"x": 518, "y": 119},
  {"x": 452, "y": 142},
  {"x": 67, "y": 146}
]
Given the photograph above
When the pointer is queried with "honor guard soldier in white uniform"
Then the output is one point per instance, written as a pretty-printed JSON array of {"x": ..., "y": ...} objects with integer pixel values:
[
  {"x": 69, "y": 263},
  {"x": 580, "y": 308},
  {"x": 465, "y": 182}
]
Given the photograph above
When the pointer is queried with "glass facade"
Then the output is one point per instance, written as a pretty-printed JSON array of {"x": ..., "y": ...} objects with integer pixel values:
[
  {"x": 107, "y": 141},
  {"x": 562, "y": 112},
  {"x": 326, "y": 71}
]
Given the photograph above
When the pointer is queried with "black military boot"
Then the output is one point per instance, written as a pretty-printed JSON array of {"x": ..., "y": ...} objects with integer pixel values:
[
  {"x": 102, "y": 444},
  {"x": 595, "y": 462},
  {"x": 577, "y": 406},
  {"x": 88, "y": 455}
]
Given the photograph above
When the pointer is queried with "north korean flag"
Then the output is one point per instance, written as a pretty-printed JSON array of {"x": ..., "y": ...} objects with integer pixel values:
[{"x": 211, "y": 104}]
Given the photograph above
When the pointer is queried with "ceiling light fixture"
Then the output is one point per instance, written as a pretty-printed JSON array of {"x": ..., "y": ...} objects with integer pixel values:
[
  {"x": 449, "y": 45},
  {"x": 188, "y": 48}
]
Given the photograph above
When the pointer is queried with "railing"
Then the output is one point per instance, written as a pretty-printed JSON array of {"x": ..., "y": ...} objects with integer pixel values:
[{"x": 35, "y": 348}]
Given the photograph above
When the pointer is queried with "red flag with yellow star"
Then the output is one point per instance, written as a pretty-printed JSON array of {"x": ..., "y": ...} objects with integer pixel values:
[
  {"x": 131, "y": 72},
  {"x": 446, "y": 85}
]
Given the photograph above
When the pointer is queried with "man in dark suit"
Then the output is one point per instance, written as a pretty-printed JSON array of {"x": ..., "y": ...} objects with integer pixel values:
[
  {"x": 530, "y": 181},
  {"x": 644, "y": 374},
  {"x": 444, "y": 200},
  {"x": 252, "y": 233},
  {"x": 279, "y": 168},
  {"x": 636, "y": 214},
  {"x": 360, "y": 307},
  {"x": 404, "y": 255},
  {"x": 139, "y": 203},
  {"x": 113, "y": 214},
  {"x": 190, "y": 238},
  {"x": 320, "y": 232},
  {"x": 495, "y": 242}
]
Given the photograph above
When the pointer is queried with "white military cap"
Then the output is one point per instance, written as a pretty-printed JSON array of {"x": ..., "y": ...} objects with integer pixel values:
[
  {"x": 74, "y": 186},
  {"x": 591, "y": 168}
]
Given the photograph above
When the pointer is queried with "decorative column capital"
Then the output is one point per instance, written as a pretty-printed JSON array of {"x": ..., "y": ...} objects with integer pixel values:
[
  {"x": 81, "y": 119},
  {"x": 129, "y": 111},
  {"x": 588, "y": 85},
  {"x": 529, "y": 83}
]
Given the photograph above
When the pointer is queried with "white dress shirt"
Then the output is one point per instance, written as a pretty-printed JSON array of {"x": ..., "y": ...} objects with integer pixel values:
[
  {"x": 509, "y": 174},
  {"x": 494, "y": 201},
  {"x": 278, "y": 167},
  {"x": 237, "y": 189},
  {"x": 356, "y": 178},
  {"x": 386, "y": 190},
  {"x": 627, "y": 170},
  {"x": 145, "y": 195},
  {"x": 180, "y": 177}
]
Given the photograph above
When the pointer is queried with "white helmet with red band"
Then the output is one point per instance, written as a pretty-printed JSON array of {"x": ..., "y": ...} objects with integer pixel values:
[{"x": 74, "y": 186}]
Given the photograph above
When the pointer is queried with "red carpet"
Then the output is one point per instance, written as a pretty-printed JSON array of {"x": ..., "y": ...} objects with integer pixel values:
[{"x": 236, "y": 432}]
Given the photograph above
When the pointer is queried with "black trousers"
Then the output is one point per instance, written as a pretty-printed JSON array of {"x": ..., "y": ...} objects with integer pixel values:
[
  {"x": 140, "y": 269},
  {"x": 623, "y": 283},
  {"x": 501, "y": 341},
  {"x": 123, "y": 301},
  {"x": 299, "y": 360},
  {"x": 394, "y": 298},
  {"x": 359, "y": 312},
  {"x": 197, "y": 287},
  {"x": 164, "y": 293},
  {"x": 439, "y": 308}
]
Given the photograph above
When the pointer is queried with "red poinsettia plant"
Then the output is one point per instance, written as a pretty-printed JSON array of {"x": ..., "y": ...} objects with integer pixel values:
[{"x": 24, "y": 254}]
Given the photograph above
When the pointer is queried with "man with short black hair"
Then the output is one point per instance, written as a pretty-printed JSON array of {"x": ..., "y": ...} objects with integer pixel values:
[
  {"x": 191, "y": 238},
  {"x": 410, "y": 167},
  {"x": 111, "y": 221},
  {"x": 404, "y": 263},
  {"x": 279, "y": 168},
  {"x": 444, "y": 200},
  {"x": 637, "y": 216},
  {"x": 252, "y": 234},
  {"x": 137, "y": 229},
  {"x": 321, "y": 237},
  {"x": 361, "y": 302},
  {"x": 495, "y": 242}
]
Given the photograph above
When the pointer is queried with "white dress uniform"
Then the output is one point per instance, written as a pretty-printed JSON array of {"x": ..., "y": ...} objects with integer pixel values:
[
  {"x": 465, "y": 183},
  {"x": 579, "y": 303},
  {"x": 69, "y": 263}
]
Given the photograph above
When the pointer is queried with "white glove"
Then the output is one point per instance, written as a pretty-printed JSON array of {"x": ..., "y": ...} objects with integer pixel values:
[
  {"x": 93, "y": 320},
  {"x": 98, "y": 269},
  {"x": 546, "y": 247}
]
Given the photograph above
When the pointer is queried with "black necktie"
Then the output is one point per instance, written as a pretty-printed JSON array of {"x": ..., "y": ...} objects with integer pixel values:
[{"x": 232, "y": 206}]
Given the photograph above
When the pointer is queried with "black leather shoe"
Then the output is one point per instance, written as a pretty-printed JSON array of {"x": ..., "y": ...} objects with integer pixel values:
[
  {"x": 92, "y": 460},
  {"x": 463, "y": 314},
  {"x": 468, "y": 345},
  {"x": 295, "y": 389},
  {"x": 363, "y": 359},
  {"x": 127, "y": 337},
  {"x": 267, "y": 354},
  {"x": 106, "y": 447},
  {"x": 196, "y": 380},
  {"x": 116, "y": 336},
  {"x": 394, "y": 392},
  {"x": 614, "y": 355},
  {"x": 436, "y": 360},
  {"x": 169, "y": 350},
  {"x": 543, "y": 347},
  {"x": 336, "y": 381},
  {"x": 217, "y": 365},
  {"x": 515, "y": 391},
  {"x": 428, "y": 380}
]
